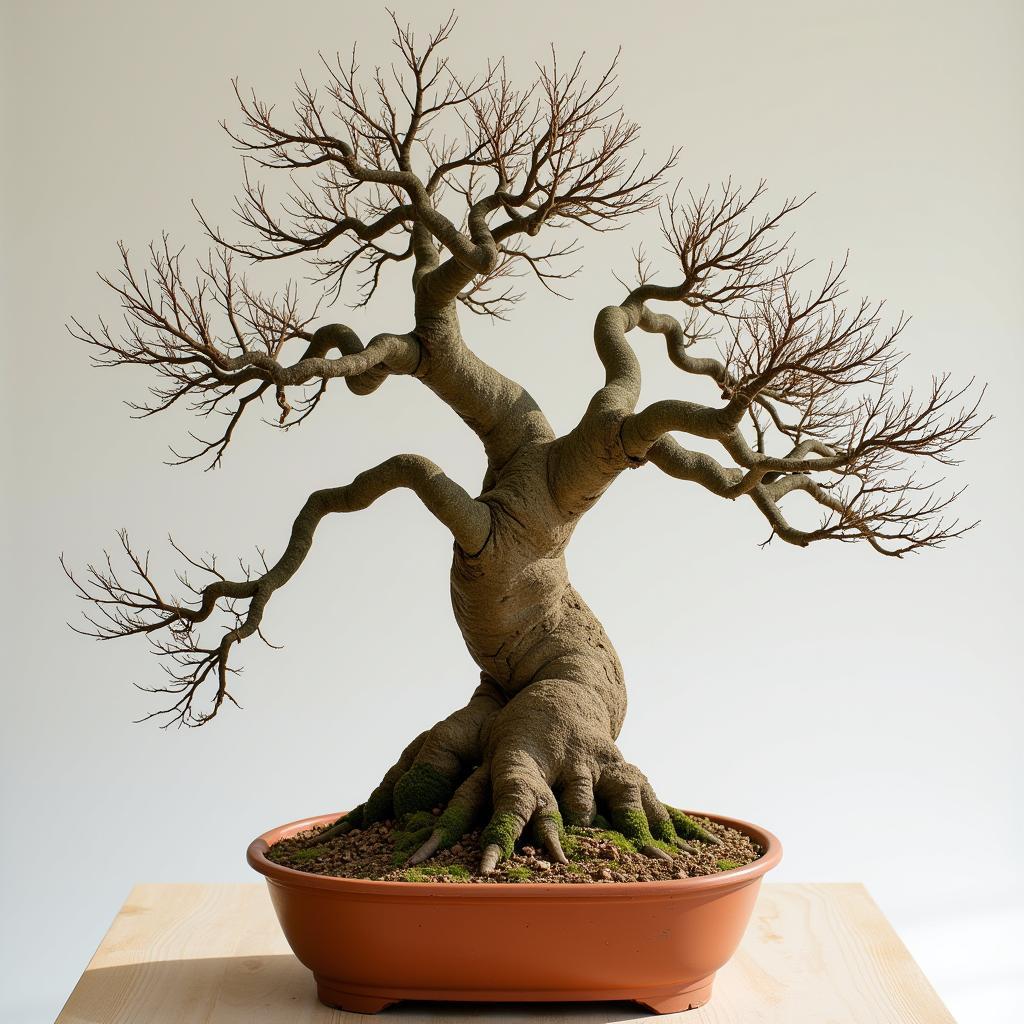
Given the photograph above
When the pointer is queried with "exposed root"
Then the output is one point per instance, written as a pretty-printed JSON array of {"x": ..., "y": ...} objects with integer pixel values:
[
  {"x": 428, "y": 771},
  {"x": 549, "y": 832},
  {"x": 342, "y": 826},
  {"x": 655, "y": 853},
  {"x": 489, "y": 860},
  {"x": 426, "y": 851},
  {"x": 465, "y": 807},
  {"x": 508, "y": 761}
]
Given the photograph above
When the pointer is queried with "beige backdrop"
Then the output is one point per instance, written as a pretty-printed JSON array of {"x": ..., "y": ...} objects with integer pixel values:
[{"x": 871, "y": 713}]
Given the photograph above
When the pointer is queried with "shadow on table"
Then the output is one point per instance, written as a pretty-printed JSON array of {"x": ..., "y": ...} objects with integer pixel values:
[{"x": 275, "y": 990}]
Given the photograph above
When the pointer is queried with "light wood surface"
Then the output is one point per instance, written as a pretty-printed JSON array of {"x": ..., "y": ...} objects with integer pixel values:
[{"x": 213, "y": 954}]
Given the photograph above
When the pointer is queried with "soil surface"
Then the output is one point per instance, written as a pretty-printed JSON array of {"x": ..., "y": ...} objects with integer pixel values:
[{"x": 595, "y": 855}]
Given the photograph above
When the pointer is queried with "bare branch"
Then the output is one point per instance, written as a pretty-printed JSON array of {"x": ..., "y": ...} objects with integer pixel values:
[
  {"x": 220, "y": 371},
  {"x": 824, "y": 373},
  {"x": 556, "y": 153},
  {"x": 129, "y": 603}
]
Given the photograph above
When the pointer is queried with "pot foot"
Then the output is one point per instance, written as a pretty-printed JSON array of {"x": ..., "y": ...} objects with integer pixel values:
[
  {"x": 354, "y": 1002},
  {"x": 675, "y": 1002}
]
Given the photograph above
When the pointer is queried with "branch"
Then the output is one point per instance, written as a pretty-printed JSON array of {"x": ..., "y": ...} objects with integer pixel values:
[
  {"x": 129, "y": 603},
  {"x": 169, "y": 327},
  {"x": 558, "y": 153},
  {"x": 893, "y": 518},
  {"x": 832, "y": 368}
]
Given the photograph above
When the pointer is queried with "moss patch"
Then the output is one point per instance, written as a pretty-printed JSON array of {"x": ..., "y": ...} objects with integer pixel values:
[
  {"x": 552, "y": 816},
  {"x": 304, "y": 856},
  {"x": 407, "y": 843},
  {"x": 453, "y": 824},
  {"x": 606, "y": 835},
  {"x": 670, "y": 848},
  {"x": 725, "y": 864},
  {"x": 421, "y": 788},
  {"x": 665, "y": 835},
  {"x": 419, "y": 820},
  {"x": 356, "y": 818},
  {"x": 502, "y": 831},
  {"x": 687, "y": 828},
  {"x": 570, "y": 844},
  {"x": 379, "y": 806},
  {"x": 428, "y": 872},
  {"x": 519, "y": 873},
  {"x": 633, "y": 825}
]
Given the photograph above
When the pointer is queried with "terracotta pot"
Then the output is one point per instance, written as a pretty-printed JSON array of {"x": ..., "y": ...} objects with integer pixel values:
[{"x": 370, "y": 944}]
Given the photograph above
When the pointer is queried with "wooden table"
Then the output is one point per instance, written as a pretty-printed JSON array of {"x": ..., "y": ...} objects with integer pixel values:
[{"x": 213, "y": 954}]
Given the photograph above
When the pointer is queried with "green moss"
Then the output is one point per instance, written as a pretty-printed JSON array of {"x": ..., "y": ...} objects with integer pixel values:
[
  {"x": 379, "y": 806},
  {"x": 607, "y": 835},
  {"x": 419, "y": 820},
  {"x": 578, "y": 869},
  {"x": 305, "y": 856},
  {"x": 570, "y": 845},
  {"x": 414, "y": 875},
  {"x": 633, "y": 825},
  {"x": 503, "y": 831},
  {"x": 617, "y": 839},
  {"x": 670, "y": 848},
  {"x": 726, "y": 864},
  {"x": 425, "y": 873},
  {"x": 600, "y": 821},
  {"x": 419, "y": 826},
  {"x": 664, "y": 831},
  {"x": 454, "y": 823},
  {"x": 408, "y": 843},
  {"x": 419, "y": 789},
  {"x": 518, "y": 873},
  {"x": 687, "y": 828},
  {"x": 356, "y": 818},
  {"x": 555, "y": 818}
]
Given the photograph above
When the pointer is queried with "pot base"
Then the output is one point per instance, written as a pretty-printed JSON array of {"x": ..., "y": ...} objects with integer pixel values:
[
  {"x": 372, "y": 1000},
  {"x": 370, "y": 944}
]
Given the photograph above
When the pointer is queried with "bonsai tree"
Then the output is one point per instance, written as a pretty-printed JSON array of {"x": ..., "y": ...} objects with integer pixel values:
[{"x": 464, "y": 183}]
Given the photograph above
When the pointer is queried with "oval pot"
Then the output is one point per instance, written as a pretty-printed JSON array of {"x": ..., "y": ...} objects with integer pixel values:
[{"x": 370, "y": 944}]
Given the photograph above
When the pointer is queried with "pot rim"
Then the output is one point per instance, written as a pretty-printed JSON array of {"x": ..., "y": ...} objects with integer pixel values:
[{"x": 333, "y": 884}]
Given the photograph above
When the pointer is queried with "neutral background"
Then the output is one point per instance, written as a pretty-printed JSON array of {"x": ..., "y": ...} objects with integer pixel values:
[{"x": 867, "y": 710}]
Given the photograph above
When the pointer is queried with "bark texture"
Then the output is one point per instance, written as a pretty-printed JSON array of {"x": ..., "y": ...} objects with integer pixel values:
[{"x": 795, "y": 370}]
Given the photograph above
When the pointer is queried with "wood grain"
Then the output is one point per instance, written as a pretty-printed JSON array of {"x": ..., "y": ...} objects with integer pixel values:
[{"x": 213, "y": 954}]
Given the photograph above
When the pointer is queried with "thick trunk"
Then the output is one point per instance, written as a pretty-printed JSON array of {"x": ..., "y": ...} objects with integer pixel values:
[
  {"x": 520, "y": 617},
  {"x": 537, "y": 740}
]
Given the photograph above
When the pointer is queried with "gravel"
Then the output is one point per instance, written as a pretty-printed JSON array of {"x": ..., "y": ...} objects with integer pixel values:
[{"x": 594, "y": 856}]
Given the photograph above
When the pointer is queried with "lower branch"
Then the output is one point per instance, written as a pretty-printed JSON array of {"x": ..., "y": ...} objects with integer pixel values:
[{"x": 136, "y": 605}]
